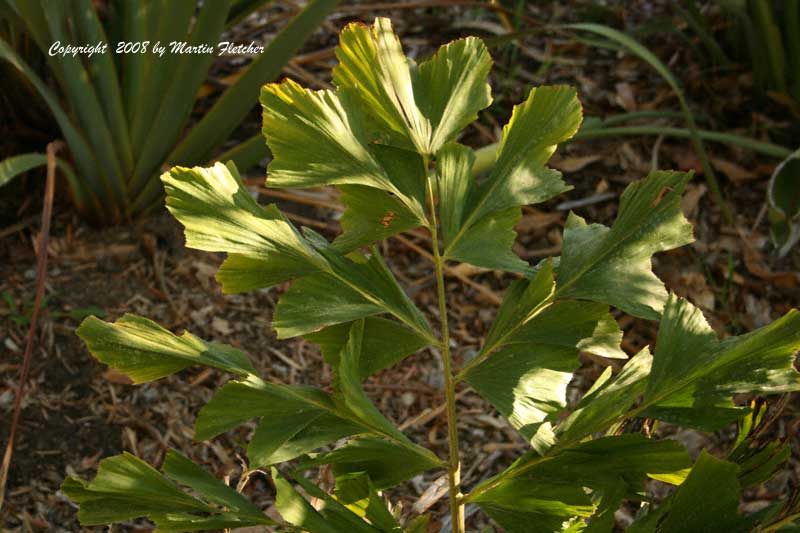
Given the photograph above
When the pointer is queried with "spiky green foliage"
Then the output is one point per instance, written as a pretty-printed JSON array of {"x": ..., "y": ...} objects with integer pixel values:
[
  {"x": 124, "y": 110},
  {"x": 387, "y": 137}
]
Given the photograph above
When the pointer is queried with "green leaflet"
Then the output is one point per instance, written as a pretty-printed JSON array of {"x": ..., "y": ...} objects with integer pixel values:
[
  {"x": 454, "y": 181},
  {"x": 526, "y": 378},
  {"x": 359, "y": 495},
  {"x": 420, "y": 107},
  {"x": 707, "y": 501},
  {"x": 490, "y": 240},
  {"x": 521, "y": 506},
  {"x": 543, "y": 492},
  {"x": 144, "y": 351},
  {"x": 522, "y": 301},
  {"x": 384, "y": 344},
  {"x": 613, "y": 265},
  {"x": 528, "y": 385},
  {"x": 351, "y": 395},
  {"x": 126, "y": 487},
  {"x": 527, "y": 315},
  {"x": 354, "y": 288},
  {"x": 489, "y": 243},
  {"x": 296, "y": 119},
  {"x": 450, "y": 88},
  {"x": 607, "y": 400},
  {"x": 294, "y": 420},
  {"x": 319, "y": 301},
  {"x": 548, "y": 117},
  {"x": 386, "y": 463},
  {"x": 352, "y": 398},
  {"x": 296, "y": 510},
  {"x": 694, "y": 375},
  {"x": 220, "y": 215},
  {"x": 373, "y": 214},
  {"x": 346, "y": 510}
]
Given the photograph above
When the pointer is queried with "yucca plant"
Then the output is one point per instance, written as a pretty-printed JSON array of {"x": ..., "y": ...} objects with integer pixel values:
[
  {"x": 387, "y": 139},
  {"x": 124, "y": 115}
]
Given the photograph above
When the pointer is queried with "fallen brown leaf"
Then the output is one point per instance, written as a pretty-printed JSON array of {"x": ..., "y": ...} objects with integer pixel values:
[{"x": 735, "y": 173}]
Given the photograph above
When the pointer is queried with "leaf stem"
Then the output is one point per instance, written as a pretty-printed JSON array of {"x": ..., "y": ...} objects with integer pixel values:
[{"x": 454, "y": 467}]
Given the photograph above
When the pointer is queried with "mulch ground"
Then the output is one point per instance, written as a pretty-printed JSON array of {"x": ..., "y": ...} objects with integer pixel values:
[{"x": 77, "y": 411}]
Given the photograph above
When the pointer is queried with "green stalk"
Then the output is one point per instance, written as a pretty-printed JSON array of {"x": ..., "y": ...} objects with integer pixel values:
[{"x": 454, "y": 466}]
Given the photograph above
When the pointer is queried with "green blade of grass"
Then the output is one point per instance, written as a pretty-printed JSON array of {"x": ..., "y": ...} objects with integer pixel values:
[
  {"x": 484, "y": 157},
  {"x": 135, "y": 17},
  {"x": 104, "y": 74},
  {"x": 89, "y": 193},
  {"x": 643, "y": 53},
  {"x": 173, "y": 23},
  {"x": 241, "y": 8},
  {"x": 86, "y": 105},
  {"x": 18, "y": 164},
  {"x": 176, "y": 105}
]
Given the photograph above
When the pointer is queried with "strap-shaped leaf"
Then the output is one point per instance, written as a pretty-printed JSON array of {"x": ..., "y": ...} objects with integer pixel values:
[
  {"x": 126, "y": 487},
  {"x": 694, "y": 375},
  {"x": 548, "y": 117},
  {"x": 386, "y": 463},
  {"x": 294, "y": 420},
  {"x": 413, "y": 107},
  {"x": 144, "y": 351},
  {"x": 536, "y": 492},
  {"x": 613, "y": 265},
  {"x": 353, "y": 288},
  {"x": 384, "y": 344},
  {"x": 608, "y": 399},
  {"x": 220, "y": 215}
]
